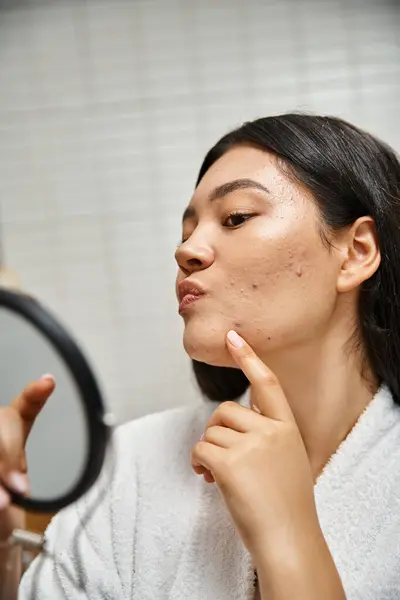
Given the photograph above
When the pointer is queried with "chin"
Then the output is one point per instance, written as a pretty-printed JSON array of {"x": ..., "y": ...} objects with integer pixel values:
[{"x": 202, "y": 346}]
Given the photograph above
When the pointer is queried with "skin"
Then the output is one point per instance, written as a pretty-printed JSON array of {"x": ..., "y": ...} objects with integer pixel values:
[{"x": 272, "y": 279}]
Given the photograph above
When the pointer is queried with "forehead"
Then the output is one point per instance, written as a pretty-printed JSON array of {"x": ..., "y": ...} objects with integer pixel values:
[
  {"x": 240, "y": 162},
  {"x": 248, "y": 163}
]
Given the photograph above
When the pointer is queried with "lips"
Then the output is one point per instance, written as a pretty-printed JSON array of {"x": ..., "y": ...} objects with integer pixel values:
[{"x": 188, "y": 293}]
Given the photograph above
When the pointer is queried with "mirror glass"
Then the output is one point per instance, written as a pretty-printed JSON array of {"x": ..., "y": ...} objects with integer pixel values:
[{"x": 58, "y": 443}]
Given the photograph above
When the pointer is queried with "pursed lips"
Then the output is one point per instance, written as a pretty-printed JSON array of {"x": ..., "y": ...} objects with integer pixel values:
[{"x": 188, "y": 293}]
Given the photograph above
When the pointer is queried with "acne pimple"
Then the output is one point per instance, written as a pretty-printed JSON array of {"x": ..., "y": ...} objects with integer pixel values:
[{"x": 299, "y": 271}]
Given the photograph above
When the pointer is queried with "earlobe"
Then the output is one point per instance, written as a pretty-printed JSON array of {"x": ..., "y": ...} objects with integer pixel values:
[{"x": 362, "y": 255}]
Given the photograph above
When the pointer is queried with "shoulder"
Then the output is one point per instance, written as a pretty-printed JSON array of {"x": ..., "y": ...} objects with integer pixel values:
[
  {"x": 172, "y": 423},
  {"x": 161, "y": 436},
  {"x": 159, "y": 421}
]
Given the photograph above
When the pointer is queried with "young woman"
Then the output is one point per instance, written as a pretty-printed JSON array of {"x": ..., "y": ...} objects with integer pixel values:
[{"x": 289, "y": 285}]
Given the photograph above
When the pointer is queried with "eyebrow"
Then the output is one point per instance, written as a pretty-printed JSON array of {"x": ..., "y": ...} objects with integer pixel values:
[{"x": 228, "y": 188}]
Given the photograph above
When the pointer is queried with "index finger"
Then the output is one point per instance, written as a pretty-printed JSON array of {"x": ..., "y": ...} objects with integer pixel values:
[
  {"x": 32, "y": 400},
  {"x": 270, "y": 397}
]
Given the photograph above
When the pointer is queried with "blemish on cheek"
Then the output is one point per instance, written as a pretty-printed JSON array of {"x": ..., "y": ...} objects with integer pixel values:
[
  {"x": 299, "y": 271},
  {"x": 254, "y": 286},
  {"x": 237, "y": 325}
]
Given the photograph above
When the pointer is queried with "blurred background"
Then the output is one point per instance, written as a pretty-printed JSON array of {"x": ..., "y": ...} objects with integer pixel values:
[{"x": 107, "y": 108}]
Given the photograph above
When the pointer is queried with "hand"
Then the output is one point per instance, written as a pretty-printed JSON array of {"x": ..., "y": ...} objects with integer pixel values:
[
  {"x": 16, "y": 421},
  {"x": 258, "y": 460}
]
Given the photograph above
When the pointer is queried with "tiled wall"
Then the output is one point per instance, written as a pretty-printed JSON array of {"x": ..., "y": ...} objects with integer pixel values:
[{"x": 106, "y": 111}]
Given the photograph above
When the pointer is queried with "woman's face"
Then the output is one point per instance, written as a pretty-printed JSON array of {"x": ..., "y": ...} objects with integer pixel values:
[{"x": 252, "y": 244}]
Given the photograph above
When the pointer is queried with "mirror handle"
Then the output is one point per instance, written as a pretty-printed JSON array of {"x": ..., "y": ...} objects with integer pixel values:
[{"x": 28, "y": 540}]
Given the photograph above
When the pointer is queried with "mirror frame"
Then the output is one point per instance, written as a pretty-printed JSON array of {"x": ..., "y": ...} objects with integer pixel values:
[{"x": 99, "y": 430}]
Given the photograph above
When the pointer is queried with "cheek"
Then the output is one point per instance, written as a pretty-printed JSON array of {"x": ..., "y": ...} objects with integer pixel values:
[
  {"x": 275, "y": 287},
  {"x": 265, "y": 270}
]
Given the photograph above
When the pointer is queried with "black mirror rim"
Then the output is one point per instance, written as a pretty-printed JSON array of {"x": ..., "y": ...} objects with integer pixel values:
[{"x": 98, "y": 430}]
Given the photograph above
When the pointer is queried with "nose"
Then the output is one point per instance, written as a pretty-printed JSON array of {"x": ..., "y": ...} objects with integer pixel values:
[{"x": 194, "y": 255}]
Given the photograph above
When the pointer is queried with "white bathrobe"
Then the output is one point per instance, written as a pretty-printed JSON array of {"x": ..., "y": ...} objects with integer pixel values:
[{"x": 160, "y": 532}]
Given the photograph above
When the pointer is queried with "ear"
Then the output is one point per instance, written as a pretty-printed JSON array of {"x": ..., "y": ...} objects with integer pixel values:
[{"x": 361, "y": 255}]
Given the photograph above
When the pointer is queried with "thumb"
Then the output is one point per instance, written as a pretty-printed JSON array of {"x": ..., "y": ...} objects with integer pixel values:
[{"x": 32, "y": 400}]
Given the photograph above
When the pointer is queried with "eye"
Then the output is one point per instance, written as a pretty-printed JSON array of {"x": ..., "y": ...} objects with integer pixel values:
[{"x": 235, "y": 219}]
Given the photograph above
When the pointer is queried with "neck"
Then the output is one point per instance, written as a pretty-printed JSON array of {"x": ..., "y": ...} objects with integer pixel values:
[{"x": 327, "y": 394}]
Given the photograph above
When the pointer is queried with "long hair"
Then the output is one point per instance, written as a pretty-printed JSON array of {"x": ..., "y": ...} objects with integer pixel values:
[{"x": 350, "y": 174}]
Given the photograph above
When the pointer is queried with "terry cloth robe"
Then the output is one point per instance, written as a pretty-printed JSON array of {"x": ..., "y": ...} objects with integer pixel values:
[{"x": 159, "y": 532}]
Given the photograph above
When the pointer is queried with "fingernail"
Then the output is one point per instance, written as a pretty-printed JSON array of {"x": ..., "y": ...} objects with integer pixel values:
[
  {"x": 48, "y": 376},
  {"x": 18, "y": 482},
  {"x": 4, "y": 499},
  {"x": 254, "y": 407},
  {"x": 235, "y": 339},
  {"x": 202, "y": 437}
]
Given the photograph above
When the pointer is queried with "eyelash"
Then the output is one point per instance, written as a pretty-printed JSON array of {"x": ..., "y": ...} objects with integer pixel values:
[
  {"x": 244, "y": 216},
  {"x": 236, "y": 213}
]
